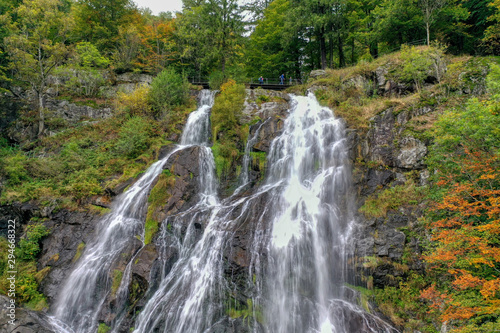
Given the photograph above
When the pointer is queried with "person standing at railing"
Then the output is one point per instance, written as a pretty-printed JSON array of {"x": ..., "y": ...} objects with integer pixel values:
[
  {"x": 282, "y": 79},
  {"x": 261, "y": 80}
]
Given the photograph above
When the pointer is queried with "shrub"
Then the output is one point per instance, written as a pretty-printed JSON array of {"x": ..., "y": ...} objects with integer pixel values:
[
  {"x": 134, "y": 137},
  {"x": 136, "y": 103},
  {"x": 216, "y": 80},
  {"x": 420, "y": 62},
  {"x": 85, "y": 82},
  {"x": 168, "y": 89},
  {"x": 29, "y": 246},
  {"x": 87, "y": 55}
]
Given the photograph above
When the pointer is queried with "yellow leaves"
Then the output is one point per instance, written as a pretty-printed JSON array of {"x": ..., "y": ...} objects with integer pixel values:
[{"x": 490, "y": 288}]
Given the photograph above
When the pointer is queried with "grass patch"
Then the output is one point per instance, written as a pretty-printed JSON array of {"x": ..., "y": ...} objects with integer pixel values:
[
  {"x": 392, "y": 198},
  {"x": 157, "y": 198},
  {"x": 103, "y": 328},
  {"x": 79, "y": 251},
  {"x": 117, "y": 280}
]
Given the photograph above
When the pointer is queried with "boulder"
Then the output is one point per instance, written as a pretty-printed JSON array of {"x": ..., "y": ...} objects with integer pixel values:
[
  {"x": 25, "y": 321},
  {"x": 411, "y": 153}
]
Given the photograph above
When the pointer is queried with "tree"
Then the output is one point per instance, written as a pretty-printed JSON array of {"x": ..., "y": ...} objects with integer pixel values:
[
  {"x": 491, "y": 39},
  {"x": 99, "y": 21},
  {"x": 465, "y": 221},
  {"x": 37, "y": 45},
  {"x": 430, "y": 10},
  {"x": 209, "y": 34},
  {"x": 361, "y": 23},
  {"x": 398, "y": 22},
  {"x": 267, "y": 52}
]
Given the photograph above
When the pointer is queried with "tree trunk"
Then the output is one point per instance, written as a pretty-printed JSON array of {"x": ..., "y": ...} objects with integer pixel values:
[
  {"x": 341, "y": 52},
  {"x": 353, "y": 49},
  {"x": 427, "y": 28},
  {"x": 41, "y": 121},
  {"x": 374, "y": 49},
  {"x": 322, "y": 49}
]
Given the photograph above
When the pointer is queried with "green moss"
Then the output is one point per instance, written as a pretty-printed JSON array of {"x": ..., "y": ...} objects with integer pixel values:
[
  {"x": 248, "y": 313},
  {"x": 79, "y": 251},
  {"x": 157, "y": 198},
  {"x": 228, "y": 132},
  {"x": 379, "y": 204},
  {"x": 116, "y": 281},
  {"x": 77, "y": 163},
  {"x": 103, "y": 328},
  {"x": 27, "y": 279}
]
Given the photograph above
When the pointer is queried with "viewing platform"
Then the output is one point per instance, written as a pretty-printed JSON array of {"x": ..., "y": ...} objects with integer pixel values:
[{"x": 268, "y": 84}]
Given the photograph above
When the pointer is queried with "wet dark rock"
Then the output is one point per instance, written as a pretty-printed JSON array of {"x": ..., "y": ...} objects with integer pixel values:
[
  {"x": 381, "y": 138},
  {"x": 375, "y": 179},
  {"x": 144, "y": 261},
  {"x": 185, "y": 166},
  {"x": 269, "y": 129},
  {"x": 68, "y": 231},
  {"x": 21, "y": 213},
  {"x": 26, "y": 321}
]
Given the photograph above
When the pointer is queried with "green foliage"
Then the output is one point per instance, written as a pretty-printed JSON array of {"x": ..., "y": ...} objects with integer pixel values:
[
  {"x": 392, "y": 198},
  {"x": 116, "y": 281},
  {"x": 420, "y": 62},
  {"x": 81, "y": 81},
  {"x": 467, "y": 75},
  {"x": 134, "y": 137},
  {"x": 87, "y": 55},
  {"x": 209, "y": 35},
  {"x": 29, "y": 246},
  {"x": 269, "y": 52},
  {"x": 99, "y": 21},
  {"x": 37, "y": 45},
  {"x": 216, "y": 80},
  {"x": 476, "y": 124},
  {"x": 27, "y": 278},
  {"x": 168, "y": 89},
  {"x": 65, "y": 169},
  {"x": 137, "y": 103},
  {"x": 157, "y": 199},
  {"x": 404, "y": 306},
  {"x": 493, "y": 81},
  {"x": 227, "y": 131},
  {"x": 103, "y": 328}
]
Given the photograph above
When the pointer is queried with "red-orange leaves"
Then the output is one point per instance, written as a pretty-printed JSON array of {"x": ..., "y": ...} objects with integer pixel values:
[{"x": 466, "y": 239}]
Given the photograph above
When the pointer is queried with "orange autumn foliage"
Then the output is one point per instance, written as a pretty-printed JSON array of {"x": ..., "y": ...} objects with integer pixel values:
[{"x": 466, "y": 235}]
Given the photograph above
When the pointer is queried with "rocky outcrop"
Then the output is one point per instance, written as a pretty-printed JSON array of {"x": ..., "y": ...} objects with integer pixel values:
[
  {"x": 70, "y": 231},
  {"x": 73, "y": 113},
  {"x": 20, "y": 320}
]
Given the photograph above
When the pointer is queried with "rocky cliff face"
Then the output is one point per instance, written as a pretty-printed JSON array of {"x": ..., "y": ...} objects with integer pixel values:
[{"x": 389, "y": 153}]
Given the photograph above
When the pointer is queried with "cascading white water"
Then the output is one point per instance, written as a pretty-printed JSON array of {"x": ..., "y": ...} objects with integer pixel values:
[
  {"x": 312, "y": 225},
  {"x": 301, "y": 221},
  {"x": 197, "y": 129},
  {"x": 88, "y": 285},
  {"x": 244, "y": 177}
]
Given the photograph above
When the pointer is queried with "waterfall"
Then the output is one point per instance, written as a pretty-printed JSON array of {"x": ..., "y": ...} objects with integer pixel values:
[
  {"x": 310, "y": 235},
  {"x": 295, "y": 230},
  {"x": 85, "y": 290},
  {"x": 301, "y": 222}
]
